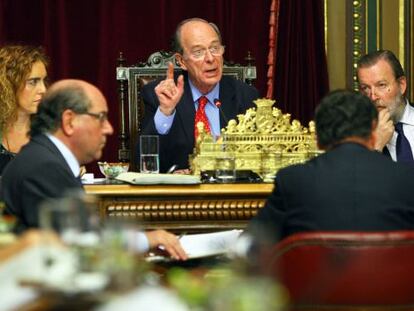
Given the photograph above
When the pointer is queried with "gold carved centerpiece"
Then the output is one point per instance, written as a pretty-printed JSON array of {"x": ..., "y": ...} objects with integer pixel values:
[{"x": 262, "y": 140}]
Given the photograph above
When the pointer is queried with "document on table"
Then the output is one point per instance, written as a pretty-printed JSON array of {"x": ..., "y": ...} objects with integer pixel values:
[
  {"x": 153, "y": 179},
  {"x": 206, "y": 244}
]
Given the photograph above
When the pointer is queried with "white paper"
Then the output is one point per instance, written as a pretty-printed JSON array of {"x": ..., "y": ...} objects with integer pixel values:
[
  {"x": 208, "y": 244},
  {"x": 153, "y": 179},
  {"x": 93, "y": 181}
]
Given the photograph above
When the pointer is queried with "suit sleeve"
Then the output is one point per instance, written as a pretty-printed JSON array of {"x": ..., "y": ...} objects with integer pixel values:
[{"x": 151, "y": 104}]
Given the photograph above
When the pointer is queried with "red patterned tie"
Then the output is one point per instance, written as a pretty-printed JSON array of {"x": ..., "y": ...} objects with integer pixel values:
[{"x": 201, "y": 116}]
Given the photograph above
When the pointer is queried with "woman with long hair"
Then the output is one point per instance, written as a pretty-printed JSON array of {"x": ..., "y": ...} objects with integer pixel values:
[{"x": 23, "y": 74}]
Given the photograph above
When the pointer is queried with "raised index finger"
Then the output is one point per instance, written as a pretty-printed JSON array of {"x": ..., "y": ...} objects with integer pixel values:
[{"x": 170, "y": 71}]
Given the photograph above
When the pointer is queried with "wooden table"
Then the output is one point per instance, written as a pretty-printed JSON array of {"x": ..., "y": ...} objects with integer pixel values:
[{"x": 204, "y": 207}]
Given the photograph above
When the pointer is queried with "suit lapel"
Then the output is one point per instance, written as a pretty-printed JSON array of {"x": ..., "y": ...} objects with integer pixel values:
[
  {"x": 228, "y": 102},
  {"x": 47, "y": 143},
  {"x": 386, "y": 152},
  {"x": 186, "y": 113}
]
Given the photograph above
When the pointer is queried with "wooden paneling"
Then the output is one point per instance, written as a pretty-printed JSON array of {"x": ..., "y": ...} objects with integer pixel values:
[{"x": 205, "y": 207}]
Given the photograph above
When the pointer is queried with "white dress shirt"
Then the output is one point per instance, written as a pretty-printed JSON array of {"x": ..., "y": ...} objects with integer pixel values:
[
  {"x": 163, "y": 123},
  {"x": 408, "y": 128},
  {"x": 67, "y": 154},
  {"x": 137, "y": 240}
]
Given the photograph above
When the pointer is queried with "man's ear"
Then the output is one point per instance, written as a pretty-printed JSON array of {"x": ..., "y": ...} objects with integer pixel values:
[
  {"x": 68, "y": 122},
  {"x": 402, "y": 82},
  {"x": 180, "y": 61}
]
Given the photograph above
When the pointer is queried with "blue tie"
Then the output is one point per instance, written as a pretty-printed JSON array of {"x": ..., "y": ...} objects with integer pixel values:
[{"x": 403, "y": 147}]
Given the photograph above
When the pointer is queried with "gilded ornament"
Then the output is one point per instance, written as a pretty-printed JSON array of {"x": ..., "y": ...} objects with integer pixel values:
[{"x": 262, "y": 140}]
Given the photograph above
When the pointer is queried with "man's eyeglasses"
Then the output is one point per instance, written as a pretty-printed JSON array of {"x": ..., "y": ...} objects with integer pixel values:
[
  {"x": 215, "y": 50},
  {"x": 101, "y": 116}
]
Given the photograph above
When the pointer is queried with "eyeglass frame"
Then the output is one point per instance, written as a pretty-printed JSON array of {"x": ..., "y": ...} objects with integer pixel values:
[
  {"x": 203, "y": 52},
  {"x": 101, "y": 116}
]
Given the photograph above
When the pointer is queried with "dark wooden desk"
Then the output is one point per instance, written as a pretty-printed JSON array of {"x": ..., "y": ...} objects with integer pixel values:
[{"x": 202, "y": 207}]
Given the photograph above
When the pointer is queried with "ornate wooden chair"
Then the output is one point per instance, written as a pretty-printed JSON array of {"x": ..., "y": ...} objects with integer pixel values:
[
  {"x": 130, "y": 81},
  {"x": 337, "y": 270}
]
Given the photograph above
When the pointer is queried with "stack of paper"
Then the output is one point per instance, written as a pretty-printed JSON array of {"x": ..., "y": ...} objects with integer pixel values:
[
  {"x": 209, "y": 244},
  {"x": 205, "y": 244},
  {"x": 153, "y": 179}
]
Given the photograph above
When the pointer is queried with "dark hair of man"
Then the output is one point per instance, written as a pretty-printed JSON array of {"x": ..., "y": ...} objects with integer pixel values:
[
  {"x": 176, "y": 42},
  {"x": 49, "y": 114},
  {"x": 343, "y": 114},
  {"x": 372, "y": 58}
]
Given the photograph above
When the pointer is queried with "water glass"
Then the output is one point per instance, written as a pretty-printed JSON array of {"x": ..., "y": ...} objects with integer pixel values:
[
  {"x": 149, "y": 154},
  {"x": 270, "y": 163},
  {"x": 225, "y": 169},
  {"x": 70, "y": 216}
]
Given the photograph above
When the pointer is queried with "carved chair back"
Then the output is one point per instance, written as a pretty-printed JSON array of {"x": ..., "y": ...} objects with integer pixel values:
[{"x": 131, "y": 79}]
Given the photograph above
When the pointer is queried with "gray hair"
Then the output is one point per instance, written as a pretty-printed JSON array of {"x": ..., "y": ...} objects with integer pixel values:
[{"x": 372, "y": 58}]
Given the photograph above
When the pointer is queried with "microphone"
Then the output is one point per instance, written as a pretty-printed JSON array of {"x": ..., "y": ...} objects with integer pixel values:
[{"x": 217, "y": 102}]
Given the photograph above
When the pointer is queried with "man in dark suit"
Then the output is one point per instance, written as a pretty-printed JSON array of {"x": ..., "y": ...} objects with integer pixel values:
[
  {"x": 69, "y": 129},
  {"x": 171, "y": 105},
  {"x": 349, "y": 187},
  {"x": 382, "y": 79}
]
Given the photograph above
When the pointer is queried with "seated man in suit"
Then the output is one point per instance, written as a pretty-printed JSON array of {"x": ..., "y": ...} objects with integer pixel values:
[
  {"x": 349, "y": 187},
  {"x": 172, "y": 106},
  {"x": 69, "y": 129},
  {"x": 382, "y": 78}
]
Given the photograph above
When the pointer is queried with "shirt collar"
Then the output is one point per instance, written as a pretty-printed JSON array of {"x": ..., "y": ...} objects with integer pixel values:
[
  {"x": 67, "y": 154},
  {"x": 408, "y": 114},
  {"x": 211, "y": 96}
]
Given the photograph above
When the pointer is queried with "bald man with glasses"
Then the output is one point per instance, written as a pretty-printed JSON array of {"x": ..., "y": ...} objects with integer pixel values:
[
  {"x": 172, "y": 105},
  {"x": 70, "y": 129}
]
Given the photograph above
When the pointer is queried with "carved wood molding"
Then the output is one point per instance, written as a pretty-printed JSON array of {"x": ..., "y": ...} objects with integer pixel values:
[
  {"x": 183, "y": 210},
  {"x": 205, "y": 207},
  {"x": 356, "y": 37}
]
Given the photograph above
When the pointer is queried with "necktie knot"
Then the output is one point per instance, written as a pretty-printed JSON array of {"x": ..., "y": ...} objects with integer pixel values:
[
  {"x": 201, "y": 116},
  {"x": 399, "y": 128},
  {"x": 202, "y": 102}
]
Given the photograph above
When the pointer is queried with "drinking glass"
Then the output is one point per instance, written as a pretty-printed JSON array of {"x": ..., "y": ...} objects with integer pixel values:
[
  {"x": 74, "y": 218},
  {"x": 149, "y": 158},
  {"x": 225, "y": 169},
  {"x": 271, "y": 162}
]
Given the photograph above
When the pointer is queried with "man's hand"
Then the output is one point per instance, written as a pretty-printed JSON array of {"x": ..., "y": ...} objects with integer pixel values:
[
  {"x": 169, "y": 241},
  {"x": 385, "y": 129},
  {"x": 168, "y": 93}
]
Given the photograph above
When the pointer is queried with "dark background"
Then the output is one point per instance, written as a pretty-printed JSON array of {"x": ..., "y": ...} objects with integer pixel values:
[{"x": 83, "y": 40}]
